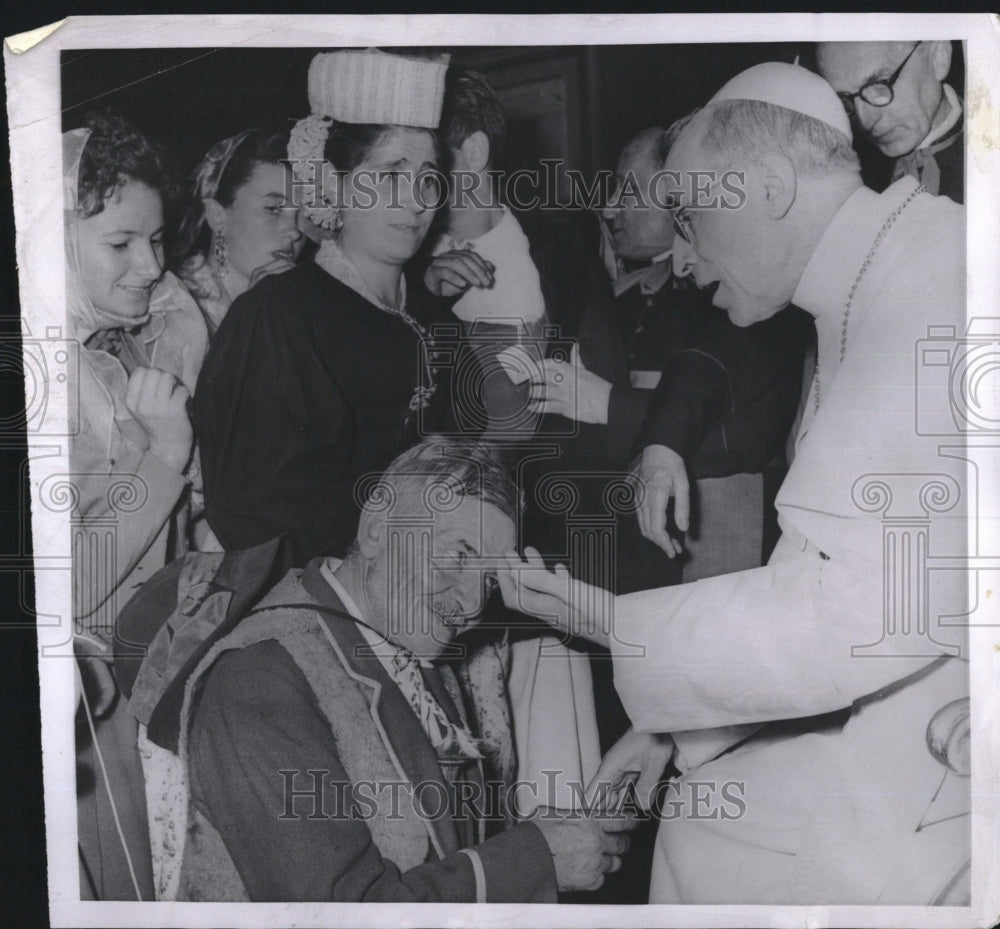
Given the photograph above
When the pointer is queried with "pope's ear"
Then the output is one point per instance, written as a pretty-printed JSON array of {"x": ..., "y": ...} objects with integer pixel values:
[
  {"x": 215, "y": 214},
  {"x": 780, "y": 183},
  {"x": 371, "y": 533}
]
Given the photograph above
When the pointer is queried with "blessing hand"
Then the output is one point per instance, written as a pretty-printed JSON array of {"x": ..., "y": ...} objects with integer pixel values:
[{"x": 554, "y": 596}]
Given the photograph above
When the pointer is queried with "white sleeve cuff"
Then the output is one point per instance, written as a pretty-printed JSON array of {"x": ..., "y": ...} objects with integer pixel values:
[{"x": 478, "y": 871}]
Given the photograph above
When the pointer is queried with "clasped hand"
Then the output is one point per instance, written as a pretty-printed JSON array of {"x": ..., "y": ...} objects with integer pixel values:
[{"x": 158, "y": 402}]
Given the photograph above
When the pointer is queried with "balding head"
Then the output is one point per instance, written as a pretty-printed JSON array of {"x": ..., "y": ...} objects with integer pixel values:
[
  {"x": 918, "y": 101},
  {"x": 640, "y": 228}
]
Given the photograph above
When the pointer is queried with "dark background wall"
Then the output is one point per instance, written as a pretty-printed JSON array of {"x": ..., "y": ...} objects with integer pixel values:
[{"x": 577, "y": 103}]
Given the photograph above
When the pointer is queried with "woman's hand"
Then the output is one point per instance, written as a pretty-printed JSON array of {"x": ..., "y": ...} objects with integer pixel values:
[
  {"x": 158, "y": 401},
  {"x": 570, "y": 605},
  {"x": 453, "y": 273}
]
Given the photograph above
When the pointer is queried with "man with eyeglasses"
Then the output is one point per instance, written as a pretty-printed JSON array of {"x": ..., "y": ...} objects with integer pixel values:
[{"x": 896, "y": 95}]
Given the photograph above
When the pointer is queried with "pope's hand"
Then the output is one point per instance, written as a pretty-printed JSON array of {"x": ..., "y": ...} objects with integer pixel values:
[
  {"x": 638, "y": 757},
  {"x": 453, "y": 273},
  {"x": 569, "y": 389},
  {"x": 554, "y": 596},
  {"x": 662, "y": 475}
]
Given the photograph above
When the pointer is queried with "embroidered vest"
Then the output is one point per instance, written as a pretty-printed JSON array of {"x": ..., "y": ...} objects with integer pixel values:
[{"x": 406, "y": 839}]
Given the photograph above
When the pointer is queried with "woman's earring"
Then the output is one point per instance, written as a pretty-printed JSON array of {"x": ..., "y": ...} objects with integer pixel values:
[
  {"x": 338, "y": 223},
  {"x": 220, "y": 254}
]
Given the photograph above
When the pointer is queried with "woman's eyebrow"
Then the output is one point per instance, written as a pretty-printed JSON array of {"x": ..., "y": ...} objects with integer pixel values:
[{"x": 116, "y": 232}]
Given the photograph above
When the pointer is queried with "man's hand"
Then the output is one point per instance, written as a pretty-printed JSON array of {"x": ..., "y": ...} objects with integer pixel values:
[
  {"x": 570, "y": 605},
  {"x": 158, "y": 401},
  {"x": 453, "y": 273},
  {"x": 662, "y": 475},
  {"x": 570, "y": 390},
  {"x": 584, "y": 846},
  {"x": 642, "y": 754}
]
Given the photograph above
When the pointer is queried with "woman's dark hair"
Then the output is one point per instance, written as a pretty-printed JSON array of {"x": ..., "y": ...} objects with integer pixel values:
[
  {"x": 259, "y": 147},
  {"x": 116, "y": 152}
]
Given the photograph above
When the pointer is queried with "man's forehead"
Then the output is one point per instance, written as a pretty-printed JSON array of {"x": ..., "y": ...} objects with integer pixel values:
[
  {"x": 859, "y": 61},
  {"x": 639, "y": 154},
  {"x": 478, "y": 523}
]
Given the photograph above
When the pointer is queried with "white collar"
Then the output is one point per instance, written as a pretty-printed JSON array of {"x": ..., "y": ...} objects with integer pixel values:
[
  {"x": 949, "y": 122},
  {"x": 381, "y": 646},
  {"x": 462, "y": 244},
  {"x": 825, "y": 285},
  {"x": 327, "y": 569}
]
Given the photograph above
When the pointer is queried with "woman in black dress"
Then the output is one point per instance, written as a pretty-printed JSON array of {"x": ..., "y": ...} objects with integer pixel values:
[{"x": 320, "y": 376}]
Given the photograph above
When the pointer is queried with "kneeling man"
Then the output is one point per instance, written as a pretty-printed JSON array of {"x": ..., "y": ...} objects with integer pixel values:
[{"x": 329, "y": 753}]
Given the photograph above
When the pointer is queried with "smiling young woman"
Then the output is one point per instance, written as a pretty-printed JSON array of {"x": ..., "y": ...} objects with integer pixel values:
[{"x": 142, "y": 343}]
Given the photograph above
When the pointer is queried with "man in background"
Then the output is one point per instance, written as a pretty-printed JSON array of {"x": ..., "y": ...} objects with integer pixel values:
[{"x": 896, "y": 96}]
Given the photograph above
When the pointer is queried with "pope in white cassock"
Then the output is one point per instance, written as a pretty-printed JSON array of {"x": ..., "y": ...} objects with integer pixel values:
[{"x": 829, "y": 689}]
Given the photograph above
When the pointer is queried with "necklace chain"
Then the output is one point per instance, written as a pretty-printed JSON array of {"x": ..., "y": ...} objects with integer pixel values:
[{"x": 879, "y": 239}]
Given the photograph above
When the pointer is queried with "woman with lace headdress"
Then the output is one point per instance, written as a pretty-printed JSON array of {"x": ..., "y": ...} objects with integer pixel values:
[
  {"x": 320, "y": 375},
  {"x": 240, "y": 225},
  {"x": 142, "y": 344}
]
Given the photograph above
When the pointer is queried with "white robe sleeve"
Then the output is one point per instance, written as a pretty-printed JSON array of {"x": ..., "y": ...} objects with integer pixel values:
[{"x": 766, "y": 644}]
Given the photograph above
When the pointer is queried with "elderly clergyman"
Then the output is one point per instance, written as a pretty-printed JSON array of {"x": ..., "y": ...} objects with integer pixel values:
[
  {"x": 824, "y": 684},
  {"x": 897, "y": 96},
  {"x": 329, "y": 753}
]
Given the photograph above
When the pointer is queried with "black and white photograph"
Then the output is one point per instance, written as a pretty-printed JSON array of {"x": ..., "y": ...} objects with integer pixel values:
[{"x": 554, "y": 477}]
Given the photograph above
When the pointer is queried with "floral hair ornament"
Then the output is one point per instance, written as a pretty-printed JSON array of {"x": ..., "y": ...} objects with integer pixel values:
[{"x": 359, "y": 86}]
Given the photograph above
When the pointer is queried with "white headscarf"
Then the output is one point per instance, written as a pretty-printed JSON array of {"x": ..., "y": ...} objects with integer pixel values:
[{"x": 84, "y": 317}]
